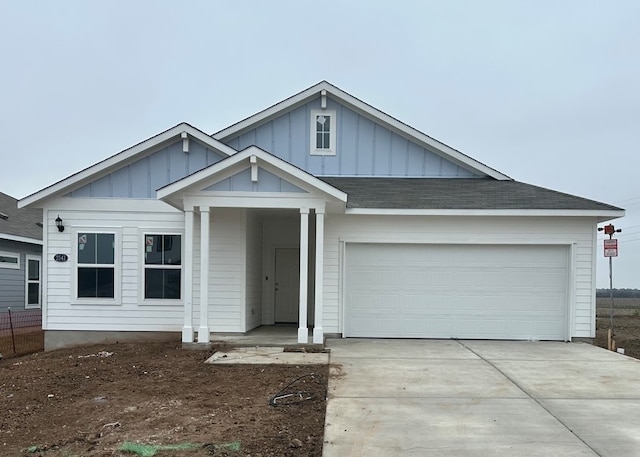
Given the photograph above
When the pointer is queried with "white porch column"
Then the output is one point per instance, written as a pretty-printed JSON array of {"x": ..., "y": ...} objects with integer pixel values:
[
  {"x": 187, "y": 264},
  {"x": 303, "y": 331},
  {"x": 203, "y": 330},
  {"x": 318, "y": 333}
]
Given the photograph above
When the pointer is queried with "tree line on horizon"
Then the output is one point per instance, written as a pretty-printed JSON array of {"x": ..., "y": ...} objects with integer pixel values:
[{"x": 619, "y": 293}]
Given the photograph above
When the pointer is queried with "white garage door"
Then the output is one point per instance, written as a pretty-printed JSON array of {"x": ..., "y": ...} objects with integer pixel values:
[{"x": 456, "y": 291}]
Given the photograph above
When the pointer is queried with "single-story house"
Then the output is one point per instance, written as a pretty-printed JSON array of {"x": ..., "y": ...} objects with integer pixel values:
[
  {"x": 321, "y": 211},
  {"x": 20, "y": 256}
]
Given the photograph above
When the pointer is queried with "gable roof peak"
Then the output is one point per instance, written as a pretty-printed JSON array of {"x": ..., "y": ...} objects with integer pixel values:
[{"x": 366, "y": 110}]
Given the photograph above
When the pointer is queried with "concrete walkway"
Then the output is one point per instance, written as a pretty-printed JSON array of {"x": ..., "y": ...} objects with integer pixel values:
[{"x": 480, "y": 398}]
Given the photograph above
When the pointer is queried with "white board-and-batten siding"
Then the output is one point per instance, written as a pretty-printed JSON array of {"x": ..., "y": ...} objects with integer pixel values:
[{"x": 575, "y": 233}]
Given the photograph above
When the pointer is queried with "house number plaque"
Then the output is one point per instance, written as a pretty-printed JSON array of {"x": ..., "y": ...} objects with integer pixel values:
[{"x": 60, "y": 257}]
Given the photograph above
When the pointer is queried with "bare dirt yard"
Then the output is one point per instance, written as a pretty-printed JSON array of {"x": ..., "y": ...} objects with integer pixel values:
[
  {"x": 151, "y": 399},
  {"x": 626, "y": 324},
  {"x": 155, "y": 399}
]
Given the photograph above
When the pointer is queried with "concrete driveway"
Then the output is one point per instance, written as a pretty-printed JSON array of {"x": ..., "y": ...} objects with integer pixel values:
[{"x": 480, "y": 398}]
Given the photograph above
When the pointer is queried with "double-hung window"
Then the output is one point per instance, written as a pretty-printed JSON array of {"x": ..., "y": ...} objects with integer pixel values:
[
  {"x": 323, "y": 132},
  {"x": 33, "y": 273},
  {"x": 96, "y": 265},
  {"x": 162, "y": 266}
]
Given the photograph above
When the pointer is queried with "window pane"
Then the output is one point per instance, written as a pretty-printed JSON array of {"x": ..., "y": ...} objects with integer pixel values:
[
  {"x": 33, "y": 294},
  {"x": 8, "y": 259},
  {"x": 172, "y": 284},
  {"x": 153, "y": 249},
  {"x": 319, "y": 141},
  {"x": 86, "y": 248},
  {"x": 162, "y": 283},
  {"x": 105, "y": 283},
  {"x": 105, "y": 248},
  {"x": 153, "y": 283},
  {"x": 34, "y": 270},
  {"x": 326, "y": 141},
  {"x": 87, "y": 282},
  {"x": 172, "y": 250},
  {"x": 327, "y": 123},
  {"x": 95, "y": 282}
]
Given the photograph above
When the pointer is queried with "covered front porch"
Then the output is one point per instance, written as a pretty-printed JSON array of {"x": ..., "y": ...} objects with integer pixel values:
[
  {"x": 253, "y": 247},
  {"x": 285, "y": 335}
]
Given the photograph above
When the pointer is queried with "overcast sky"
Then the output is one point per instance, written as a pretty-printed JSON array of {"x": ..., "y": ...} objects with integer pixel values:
[{"x": 545, "y": 91}]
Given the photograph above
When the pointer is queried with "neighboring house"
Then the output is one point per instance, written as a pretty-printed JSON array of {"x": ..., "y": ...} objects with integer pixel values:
[
  {"x": 320, "y": 211},
  {"x": 20, "y": 256}
]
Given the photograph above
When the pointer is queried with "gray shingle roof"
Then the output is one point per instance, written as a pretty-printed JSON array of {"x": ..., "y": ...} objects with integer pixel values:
[
  {"x": 20, "y": 222},
  {"x": 456, "y": 193}
]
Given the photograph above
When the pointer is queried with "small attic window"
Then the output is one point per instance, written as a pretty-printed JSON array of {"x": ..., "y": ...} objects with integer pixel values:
[
  {"x": 323, "y": 132},
  {"x": 4, "y": 216}
]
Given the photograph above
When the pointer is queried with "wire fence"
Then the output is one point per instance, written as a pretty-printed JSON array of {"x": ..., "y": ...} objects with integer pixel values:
[{"x": 21, "y": 332}]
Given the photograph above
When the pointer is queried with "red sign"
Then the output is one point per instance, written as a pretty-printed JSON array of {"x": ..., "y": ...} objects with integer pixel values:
[{"x": 611, "y": 248}]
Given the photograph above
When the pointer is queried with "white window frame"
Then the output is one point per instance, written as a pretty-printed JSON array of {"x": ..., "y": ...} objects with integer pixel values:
[
  {"x": 10, "y": 266},
  {"x": 117, "y": 268},
  {"x": 143, "y": 266},
  {"x": 28, "y": 281},
  {"x": 331, "y": 151}
]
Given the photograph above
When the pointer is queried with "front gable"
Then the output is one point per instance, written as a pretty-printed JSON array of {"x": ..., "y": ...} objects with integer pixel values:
[
  {"x": 363, "y": 147},
  {"x": 141, "y": 178},
  {"x": 362, "y": 141},
  {"x": 139, "y": 170}
]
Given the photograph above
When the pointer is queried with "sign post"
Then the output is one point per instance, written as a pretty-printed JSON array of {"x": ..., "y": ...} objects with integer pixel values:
[{"x": 611, "y": 251}]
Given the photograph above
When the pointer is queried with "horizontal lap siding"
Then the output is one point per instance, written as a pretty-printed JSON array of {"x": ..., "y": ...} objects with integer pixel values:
[
  {"x": 12, "y": 281},
  {"x": 226, "y": 271},
  {"x": 452, "y": 230},
  {"x": 131, "y": 314}
]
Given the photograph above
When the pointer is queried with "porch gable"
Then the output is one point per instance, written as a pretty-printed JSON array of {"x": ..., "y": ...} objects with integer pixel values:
[{"x": 253, "y": 178}]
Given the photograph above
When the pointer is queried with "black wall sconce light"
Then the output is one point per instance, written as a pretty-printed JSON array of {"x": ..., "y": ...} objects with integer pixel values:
[{"x": 59, "y": 224}]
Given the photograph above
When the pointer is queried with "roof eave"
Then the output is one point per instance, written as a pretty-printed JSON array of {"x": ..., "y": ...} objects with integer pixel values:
[
  {"x": 600, "y": 215},
  {"x": 21, "y": 239}
]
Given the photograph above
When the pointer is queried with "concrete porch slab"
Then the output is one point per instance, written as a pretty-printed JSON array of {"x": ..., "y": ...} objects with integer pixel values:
[{"x": 267, "y": 356}]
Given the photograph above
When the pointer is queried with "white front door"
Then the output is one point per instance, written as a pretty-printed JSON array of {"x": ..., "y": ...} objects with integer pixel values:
[{"x": 287, "y": 284}]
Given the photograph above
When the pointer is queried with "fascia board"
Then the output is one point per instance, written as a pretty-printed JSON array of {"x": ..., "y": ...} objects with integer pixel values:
[
  {"x": 368, "y": 111},
  {"x": 21, "y": 239},
  {"x": 601, "y": 215},
  {"x": 121, "y": 158}
]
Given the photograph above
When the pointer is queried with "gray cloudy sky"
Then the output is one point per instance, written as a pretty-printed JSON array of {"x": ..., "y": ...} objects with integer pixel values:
[{"x": 545, "y": 91}]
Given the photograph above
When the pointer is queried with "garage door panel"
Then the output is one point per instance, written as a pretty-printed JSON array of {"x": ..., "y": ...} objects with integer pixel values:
[{"x": 455, "y": 291}]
